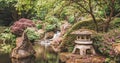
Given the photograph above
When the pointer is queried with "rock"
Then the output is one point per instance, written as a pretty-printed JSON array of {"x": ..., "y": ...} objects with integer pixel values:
[
  {"x": 21, "y": 54},
  {"x": 85, "y": 60},
  {"x": 64, "y": 27},
  {"x": 41, "y": 33},
  {"x": 49, "y": 35},
  {"x": 116, "y": 47},
  {"x": 25, "y": 60},
  {"x": 70, "y": 61},
  {"x": 64, "y": 56},
  {"x": 74, "y": 58},
  {"x": 98, "y": 59},
  {"x": 23, "y": 48}
]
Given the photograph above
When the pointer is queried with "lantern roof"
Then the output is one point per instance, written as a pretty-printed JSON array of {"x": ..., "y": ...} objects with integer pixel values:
[{"x": 82, "y": 32}]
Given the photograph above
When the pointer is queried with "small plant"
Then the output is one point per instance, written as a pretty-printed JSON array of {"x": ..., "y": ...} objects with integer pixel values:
[
  {"x": 32, "y": 34},
  {"x": 71, "y": 19},
  {"x": 8, "y": 40},
  {"x": 6, "y": 48},
  {"x": 39, "y": 26},
  {"x": 115, "y": 23},
  {"x": 50, "y": 27},
  {"x": 53, "y": 22}
]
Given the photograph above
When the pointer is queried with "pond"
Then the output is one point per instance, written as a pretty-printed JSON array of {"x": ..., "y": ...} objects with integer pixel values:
[
  {"x": 43, "y": 55},
  {"x": 4, "y": 58}
]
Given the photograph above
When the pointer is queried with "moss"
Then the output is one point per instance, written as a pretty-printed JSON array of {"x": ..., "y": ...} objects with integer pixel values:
[{"x": 88, "y": 23}]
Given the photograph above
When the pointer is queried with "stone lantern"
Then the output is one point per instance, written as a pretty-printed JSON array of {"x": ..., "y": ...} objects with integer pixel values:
[{"x": 83, "y": 41}]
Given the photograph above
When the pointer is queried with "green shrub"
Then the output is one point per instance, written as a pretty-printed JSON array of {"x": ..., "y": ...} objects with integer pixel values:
[
  {"x": 115, "y": 23},
  {"x": 6, "y": 48},
  {"x": 88, "y": 24},
  {"x": 50, "y": 27},
  {"x": 8, "y": 41},
  {"x": 32, "y": 34},
  {"x": 103, "y": 44},
  {"x": 39, "y": 26},
  {"x": 52, "y": 20},
  {"x": 71, "y": 19}
]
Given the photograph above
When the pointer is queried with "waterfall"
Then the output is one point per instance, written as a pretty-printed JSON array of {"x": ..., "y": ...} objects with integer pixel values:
[
  {"x": 47, "y": 42},
  {"x": 56, "y": 35}
]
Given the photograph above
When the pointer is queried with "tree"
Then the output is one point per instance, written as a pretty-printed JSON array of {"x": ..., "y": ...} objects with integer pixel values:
[
  {"x": 109, "y": 9},
  {"x": 90, "y": 7},
  {"x": 87, "y": 7}
]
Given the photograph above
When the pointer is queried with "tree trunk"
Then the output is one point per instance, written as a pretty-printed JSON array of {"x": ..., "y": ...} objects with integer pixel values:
[
  {"x": 95, "y": 22},
  {"x": 106, "y": 27}
]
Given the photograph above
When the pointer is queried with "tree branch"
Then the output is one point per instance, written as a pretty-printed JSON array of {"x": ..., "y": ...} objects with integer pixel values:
[
  {"x": 116, "y": 16},
  {"x": 82, "y": 6},
  {"x": 112, "y": 10},
  {"x": 90, "y": 7}
]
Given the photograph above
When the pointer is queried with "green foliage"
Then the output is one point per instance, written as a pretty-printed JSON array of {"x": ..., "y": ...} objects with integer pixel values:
[
  {"x": 6, "y": 48},
  {"x": 53, "y": 23},
  {"x": 68, "y": 43},
  {"x": 52, "y": 20},
  {"x": 8, "y": 41},
  {"x": 39, "y": 26},
  {"x": 88, "y": 23},
  {"x": 71, "y": 19},
  {"x": 103, "y": 47},
  {"x": 32, "y": 34},
  {"x": 115, "y": 23},
  {"x": 109, "y": 60},
  {"x": 50, "y": 27},
  {"x": 103, "y": 44},
  {"x": 36, "y": 9},
  {"x": 104, "y": 7},
  {"x": 7, "y": 37},
  {"x": 7, "y": 3}
]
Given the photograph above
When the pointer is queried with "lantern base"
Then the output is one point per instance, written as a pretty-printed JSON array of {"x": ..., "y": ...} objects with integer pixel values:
[{"x": 83, "y": 49}]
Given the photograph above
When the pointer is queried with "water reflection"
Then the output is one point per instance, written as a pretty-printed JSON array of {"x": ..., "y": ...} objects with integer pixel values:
[
  {"x": 24, "y": 60},
  {"x": 45, "y": 54}
]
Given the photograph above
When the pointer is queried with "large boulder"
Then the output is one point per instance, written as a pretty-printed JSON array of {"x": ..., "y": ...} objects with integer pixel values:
[{"x": 23, "y": 48}]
